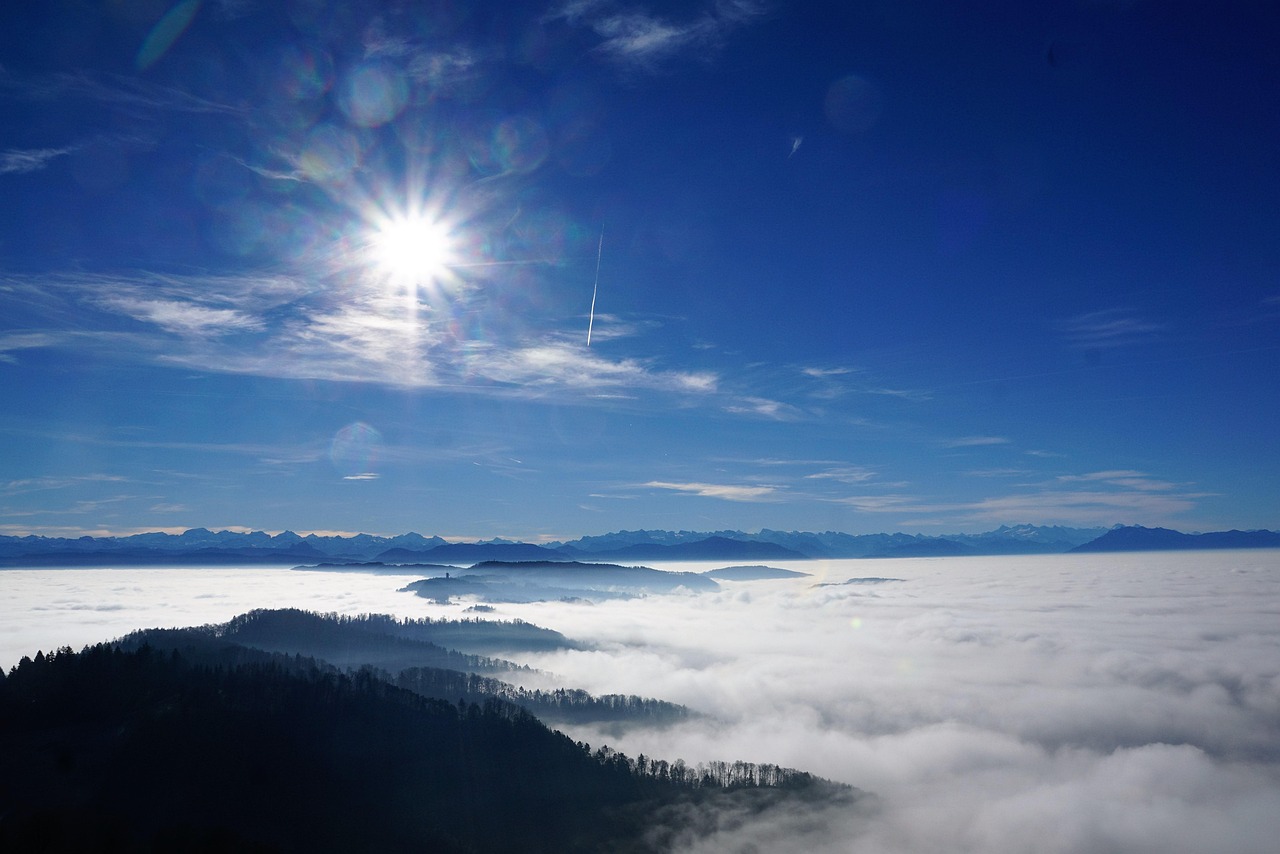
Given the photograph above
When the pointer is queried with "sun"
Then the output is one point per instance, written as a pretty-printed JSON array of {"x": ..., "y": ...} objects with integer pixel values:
[{"x": 412, "y": 249}]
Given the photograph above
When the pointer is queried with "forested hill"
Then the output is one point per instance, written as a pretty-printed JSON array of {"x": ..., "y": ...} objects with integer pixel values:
[
  {"x": 114, "y": 750},
  {"x": 410, "y": 653},
  {"x": 556, "y": 706}
]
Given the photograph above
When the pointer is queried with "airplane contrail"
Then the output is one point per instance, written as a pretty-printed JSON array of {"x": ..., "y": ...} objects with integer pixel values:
[{"x": 596, "y": 287}]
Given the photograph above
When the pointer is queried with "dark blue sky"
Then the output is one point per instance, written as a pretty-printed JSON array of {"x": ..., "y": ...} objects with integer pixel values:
[{"x": 895, "y": 266}]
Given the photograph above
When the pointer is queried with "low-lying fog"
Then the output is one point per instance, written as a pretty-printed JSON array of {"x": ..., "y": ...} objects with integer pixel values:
[{"x": 1125, "y": 703}]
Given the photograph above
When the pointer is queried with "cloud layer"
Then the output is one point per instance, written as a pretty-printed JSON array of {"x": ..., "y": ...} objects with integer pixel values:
[
  {"x": 990, "y": 705},
  {"x": 1061, "y": 704}
]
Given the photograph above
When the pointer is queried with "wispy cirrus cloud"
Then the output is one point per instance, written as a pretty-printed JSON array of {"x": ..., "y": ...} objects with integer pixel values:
[
  {"x": 774, "y": 409},
  {"x": 844, "y": 474},
  {"x": 915, "y": 395},
  {"x": 643, "y": 38},
  {"x": 973, "y": 441},
  {"x": 21, "y": 161},
  {"x": 167, "y": 507},
  {"x": 558, "y": 363},
  {"x": 1093, "y": 499},
  {"x": 281, "y": 326},
  {"x": 1085, "y": 506},
  {"x": 820, "y": 373},
  {"x": 430, "y": 64},
  {"x": 185, "y": 318},
  {"x": 834, "y": 382},
  {"x": 1121, "y": 477},
  {"x": 729, "y": 492},
  {"x": 42, "y": 484},
  {"x": 130, "y": 94},
  {"x": 879, "y": 503},
  {"x": 25, "y": 341},
  {"x": 998, "y": 473},
  {"x": 1109, "y": 328}
]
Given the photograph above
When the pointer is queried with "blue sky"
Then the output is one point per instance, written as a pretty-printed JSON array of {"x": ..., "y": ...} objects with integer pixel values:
[{"x": 884, "y": 266}]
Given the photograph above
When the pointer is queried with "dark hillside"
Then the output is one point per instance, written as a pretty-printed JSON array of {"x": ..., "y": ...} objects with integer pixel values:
[{"x": 115, "y": 750}]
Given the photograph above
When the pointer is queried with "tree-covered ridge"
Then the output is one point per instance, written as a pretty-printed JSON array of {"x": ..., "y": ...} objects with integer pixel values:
[
  {"x": 136, "y": 750},
  {"x": 561, "y": 705},
  {"x": 393, "y": 645},
  {"x": 472, "y": 635},
  {"x": 377, "y": 640},
  {"x": 468, "y": 635}
]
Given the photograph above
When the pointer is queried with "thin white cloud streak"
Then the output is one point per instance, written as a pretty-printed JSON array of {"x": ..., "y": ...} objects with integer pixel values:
[
  {"x": 1085, "y": 507},
  {"x": 24, "y": 341},
  {"x": 184, "y": 318},
  {"x": 127, "y": 93},
  {"x": 1108, "y": 329},
  {"x": 914, "y": 395},
  {"x": 844, "y": 474},
  {"x": 60, "y": 296},
  {"x": 432, "y": 65},
  {"x": 974, "y": 441},
  {"x": 997, "y": 705},
  {"x": 1127, "y": 479},
  {"x": 729, "y": 492},
  {"x": 303, "y": 452},
  {"x": 881, "y": 503},
  {"x": 42, "y": 484},
  {"x": 1139, "y": 503},
  {"x": 999, "y": 473},
  {"x": 832, "y": 384},
  {"x": 640, "y": 38},
  {"x": 445, "y": 69},
  {"x": 777, "y": 410},
  {"x": 22, "y": 161},
  {"x": 563, "y": 364},
  {"x": 610, "y": 327}
]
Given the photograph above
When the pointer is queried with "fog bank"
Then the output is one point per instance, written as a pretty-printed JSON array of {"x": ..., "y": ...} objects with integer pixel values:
[
  {"x": 1059, "y": 704},
  {"x": 1046, "y": 704}
]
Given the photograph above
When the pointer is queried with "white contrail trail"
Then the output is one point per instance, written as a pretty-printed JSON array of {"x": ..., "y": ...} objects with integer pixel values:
[{"x": 596, "y": 287}]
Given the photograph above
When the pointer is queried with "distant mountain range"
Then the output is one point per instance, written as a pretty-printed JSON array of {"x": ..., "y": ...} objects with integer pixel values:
[{"x": 200, "y": 546}]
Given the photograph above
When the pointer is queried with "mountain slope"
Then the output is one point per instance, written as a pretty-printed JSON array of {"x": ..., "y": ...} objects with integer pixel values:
[
  {"x": 114, "y": 750},
  {"x": 1135, "y": 538}
]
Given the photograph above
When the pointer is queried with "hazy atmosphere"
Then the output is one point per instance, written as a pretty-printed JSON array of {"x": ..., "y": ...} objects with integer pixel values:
[{"x": 538, "y": 271}]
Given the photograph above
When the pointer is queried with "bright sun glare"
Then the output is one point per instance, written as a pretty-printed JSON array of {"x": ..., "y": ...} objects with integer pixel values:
[{"x": 413, "y": 249}]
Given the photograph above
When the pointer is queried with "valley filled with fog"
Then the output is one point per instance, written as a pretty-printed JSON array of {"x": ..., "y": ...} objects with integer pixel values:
[{"x": 1063, "y": 703}]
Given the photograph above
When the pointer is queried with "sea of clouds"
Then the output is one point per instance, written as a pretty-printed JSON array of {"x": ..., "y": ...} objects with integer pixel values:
[{"x": 1115, "y": 703}]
